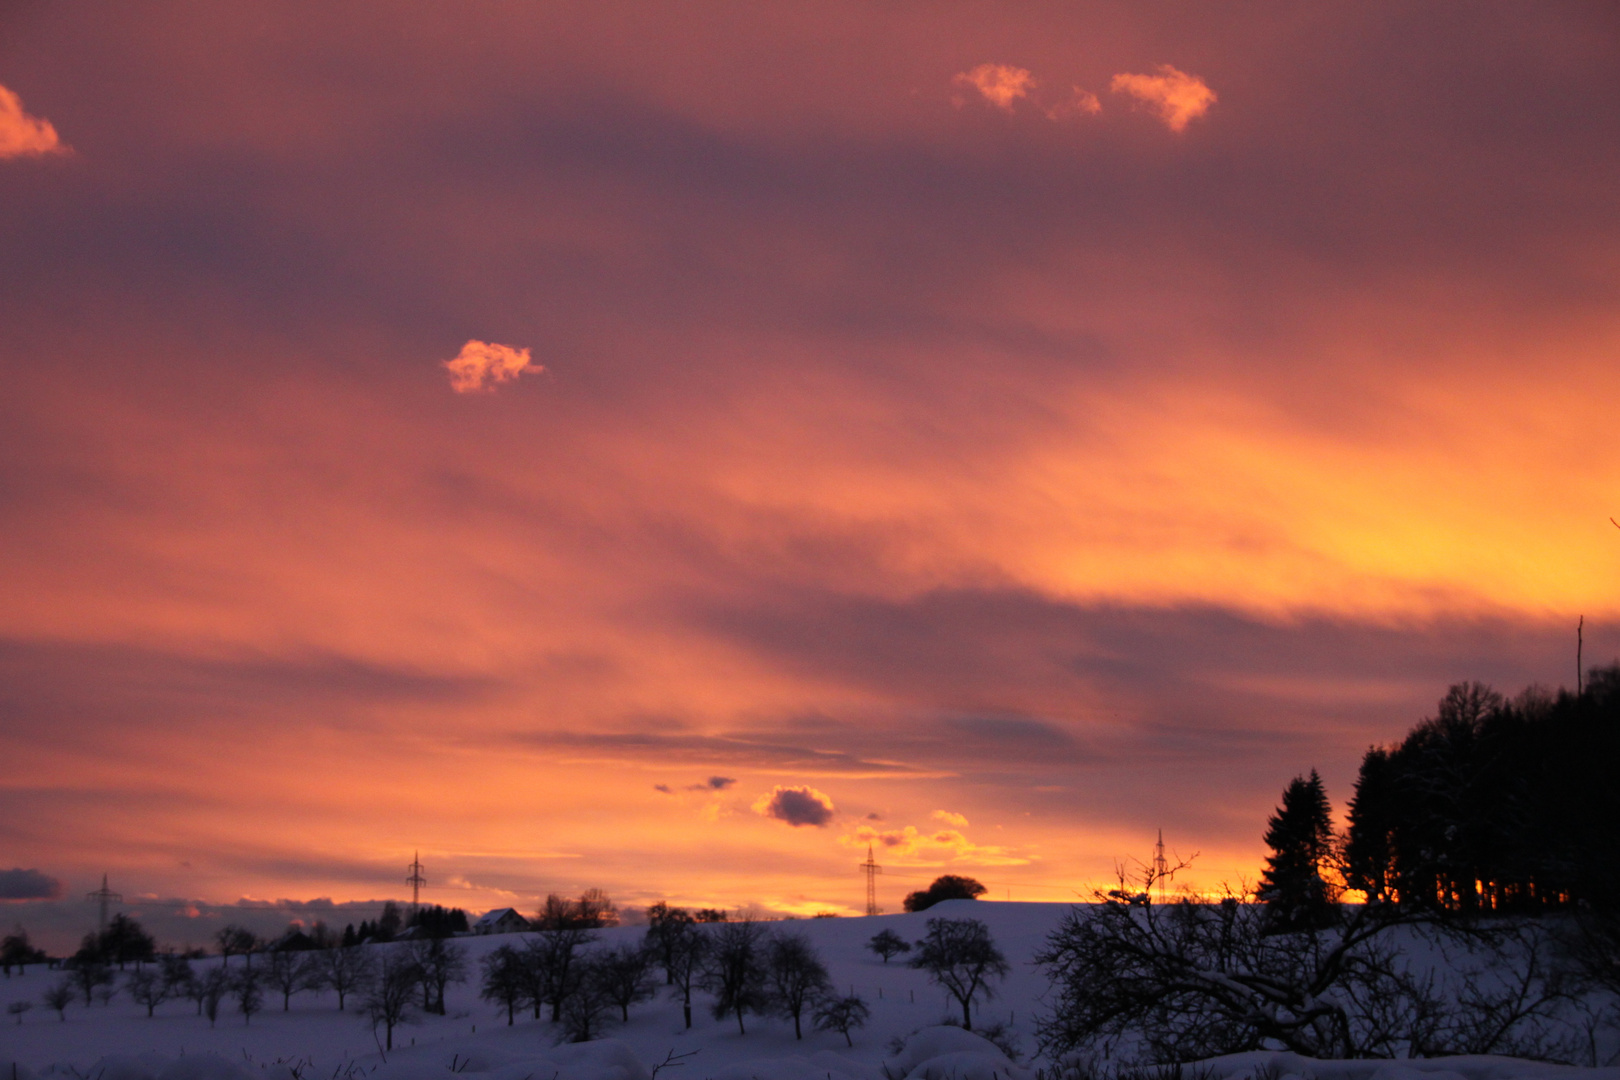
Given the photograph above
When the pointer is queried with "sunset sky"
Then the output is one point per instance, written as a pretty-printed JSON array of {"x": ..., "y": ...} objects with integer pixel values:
[{"x": 669, "y": 447}]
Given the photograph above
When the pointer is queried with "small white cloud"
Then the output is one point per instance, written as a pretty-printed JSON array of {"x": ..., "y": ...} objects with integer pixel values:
[
  {"x": 1173, "y": 96},
  {"x": 482, "y": 365},
  {"x": 22, "y": 135},
  {"x": 999, "y": 84}
]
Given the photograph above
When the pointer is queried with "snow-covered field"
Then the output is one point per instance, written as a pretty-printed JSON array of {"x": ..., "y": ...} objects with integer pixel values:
[{"x": 314, "y": 1041}]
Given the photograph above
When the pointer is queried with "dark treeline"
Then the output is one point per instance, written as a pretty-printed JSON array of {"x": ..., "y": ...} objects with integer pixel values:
[{"x": 1495, "y": 804}]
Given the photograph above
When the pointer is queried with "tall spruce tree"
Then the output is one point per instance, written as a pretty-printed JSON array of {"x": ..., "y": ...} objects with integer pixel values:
[{"x": 1300, "y": 835}]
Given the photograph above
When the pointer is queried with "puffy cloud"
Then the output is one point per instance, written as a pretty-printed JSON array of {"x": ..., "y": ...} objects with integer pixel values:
[
  {"x": 796, "y": 806},
  {"x": 913, "y": 847},
  {"x": 1000, "y": 84},
  {"x": 1174, "y": 96},
  {"x": 482, "y": 362},
  {"x": 954, "y": 820},
  {"x": 1079, "y": 103},
  {"x": 22, "y": 135},
  {"x": 20, "y": 884}
]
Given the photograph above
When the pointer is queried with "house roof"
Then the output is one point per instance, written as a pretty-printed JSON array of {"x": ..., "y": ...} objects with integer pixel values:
[{"x": 491, "y": 917}]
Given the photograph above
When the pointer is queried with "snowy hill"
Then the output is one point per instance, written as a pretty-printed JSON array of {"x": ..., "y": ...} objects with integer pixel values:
[{"x": 314, "y": 1041}]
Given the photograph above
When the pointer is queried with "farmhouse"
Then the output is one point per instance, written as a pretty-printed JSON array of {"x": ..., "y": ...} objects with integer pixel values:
[{"x": 501, "y": 921}]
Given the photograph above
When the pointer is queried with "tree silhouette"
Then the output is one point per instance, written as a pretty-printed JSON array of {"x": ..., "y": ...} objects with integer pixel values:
[
  {"x": 887, "y": 943},
  {"x": 960, "y": 955},
  {"x": 945, "y": 887},
  {"x": 795, "y": 976},
  {"x": 1300, "y": 835},
  {"x": 842, "y": 1014},
  {"x": 736, "y": 970},
  {"x": 503, "y": 982}
]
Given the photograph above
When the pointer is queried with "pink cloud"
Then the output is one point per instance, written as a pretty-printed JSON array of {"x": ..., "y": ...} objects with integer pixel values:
[
  {"x": 1078, "y": 103},
  {"x": 22, "y": 135},
  {"x": 481, "y": 365},
  {"x": 1173, "y": 96},
  {"x": 999, "y": 84}
]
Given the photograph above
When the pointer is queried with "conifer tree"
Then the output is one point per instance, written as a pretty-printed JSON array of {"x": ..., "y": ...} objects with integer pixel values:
[{"x": 1300, "y": 835}]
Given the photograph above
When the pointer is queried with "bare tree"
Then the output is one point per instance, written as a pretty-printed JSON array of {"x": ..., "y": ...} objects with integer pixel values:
[
  {"x": 147, "y": 987},
  {"x": 1194, "y": 978},
  {"x": 346, "y": 970},
  {"x": 588, "y": 1009},
  {"x": 59, "y": 997},
  {"x": 90, "y": 975},
  {"x": 626, "y": 976},
  {"x": 504, "y": 980},
  {"x": 177, "y": 976},
  {"x": 441, "y": 964},
  {"x": 233, "y": 939},
  {"x": 842, "y": 1014},
  {"x": 887, "y": 943},
  {"x": 213, "y": 987},
  {"x": 736, "y": 971},
  {"x": 16, "y": 949},
  {"x": 388, "y": 998},
  {"x": 248, "y": 988},
  {"x": 665, "y": 925},
  {"x": 291, "y": 972},
  {"x": 960, "y": 955},
  {"x": 688, "y": 955},
  {"x": 596, "y": 909},
  {"x": 554, "y": 958},
  {"x": 795, "y": 976}
]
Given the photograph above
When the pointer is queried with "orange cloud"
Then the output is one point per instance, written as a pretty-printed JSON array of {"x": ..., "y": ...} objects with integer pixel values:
[
  {"x": 1079, "y": 103},
  {"x": 910, "y": 846},
  {"x": 482, "y": 362},
  {"x": 1174, "y": 96},
  {"x": 955, "y": 820},
  {"x": 22, "y": 135},
  {"x": 1000, "y": 84}
]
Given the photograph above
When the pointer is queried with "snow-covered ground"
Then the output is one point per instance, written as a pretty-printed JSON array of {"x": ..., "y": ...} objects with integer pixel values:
[{"x": 314, "y": 1041}]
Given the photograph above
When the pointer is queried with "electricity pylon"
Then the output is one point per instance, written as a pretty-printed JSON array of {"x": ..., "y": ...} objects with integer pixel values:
[
  {"x": 416, "y": 880},
  {"x": 106, "y": 896},
  {"x": 871, "y": 869},
  {"x": 1161, "y": 865}
]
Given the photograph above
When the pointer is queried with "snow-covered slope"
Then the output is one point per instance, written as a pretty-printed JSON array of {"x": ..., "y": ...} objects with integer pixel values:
[{"x": 314, "y": 1041}]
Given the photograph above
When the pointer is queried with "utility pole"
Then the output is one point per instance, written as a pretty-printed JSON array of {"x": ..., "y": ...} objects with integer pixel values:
[
  {"x": 105, "y": 896},
  {"x": 416, "y": 880},
  {"x": 871, "y": 869}
]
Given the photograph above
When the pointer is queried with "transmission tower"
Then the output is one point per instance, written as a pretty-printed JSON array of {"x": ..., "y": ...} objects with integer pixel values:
[
  {"x": 105, "y": 896},
  {"x": 1161, "y": 866},
  {"x": 871, "y": 869},
  {"x": 416, "y": 880}
]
